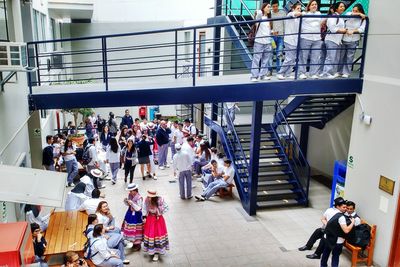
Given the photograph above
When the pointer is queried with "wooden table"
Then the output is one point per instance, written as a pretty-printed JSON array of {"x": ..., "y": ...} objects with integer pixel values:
[{"x": 64, "y": 233}]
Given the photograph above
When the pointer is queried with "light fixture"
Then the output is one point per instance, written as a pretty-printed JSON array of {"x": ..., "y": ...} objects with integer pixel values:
[{"x": 366, "y": 119}]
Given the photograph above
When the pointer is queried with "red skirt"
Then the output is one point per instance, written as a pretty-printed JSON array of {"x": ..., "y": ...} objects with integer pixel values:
[{"x": 155, "y": 235}]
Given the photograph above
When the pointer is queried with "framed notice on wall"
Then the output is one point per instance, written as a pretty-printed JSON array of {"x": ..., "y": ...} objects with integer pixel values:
[{"x": 386, "y": 184}]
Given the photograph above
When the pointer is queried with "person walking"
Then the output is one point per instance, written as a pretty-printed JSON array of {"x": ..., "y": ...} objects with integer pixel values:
[
  {"x": 130, "y": 158},
  {"x": 155, "y": 234},
  {"x": 113, "y": 158},
  {"x": 162, "y": 137},
  {"x": 68, "y": 153},
  {"x": 132, "y": 227},
  {"x": 183, "y": 165},
  {"x": 144, "y": 152}
]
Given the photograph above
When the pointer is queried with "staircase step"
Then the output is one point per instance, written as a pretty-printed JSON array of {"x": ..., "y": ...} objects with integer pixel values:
[
  {"x": 327, "y": 100},
  {"x": 305, "y": 121},
  {"x": 277, "y": 203},
  {"x": 248, "y": 140},
  {"x": 273, "y": 173},
  {"x": 275, "y": 192},
  {"x": 248, "y": 132}
]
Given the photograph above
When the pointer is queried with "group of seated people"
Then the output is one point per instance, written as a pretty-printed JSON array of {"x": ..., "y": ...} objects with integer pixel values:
[{"x": 338, "y": 223}]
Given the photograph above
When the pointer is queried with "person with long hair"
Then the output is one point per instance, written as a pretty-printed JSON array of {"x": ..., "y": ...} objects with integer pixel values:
[
  {"x": 291, "y": 41},
  {"x": 262, "y": 50},
  {"x": 203, "y": 157},
  {"x": 102, "y": 255},
  {"x": 113, "y": 158},
  {"x": 112, "y": 124},
  {"x": 144, "y": 152},
  {"x": 130, "y": 157},
  {"x": 105, "y": 137},
  {"x": 132, "y": 227},
  {"x": 69, "y": 152},
  {"x": 310, "y": 41},
  {"x": 333, "y": 41},
  {"x": 106, "y": 218},
  {"x": 354, "y": 26},
  {"x": 155, "y": 241}
]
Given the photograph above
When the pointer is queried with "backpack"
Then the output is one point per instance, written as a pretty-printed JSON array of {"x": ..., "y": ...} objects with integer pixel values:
[
  {"x": 86, "y": 158},
  {"x": 360, "y": 235},
  {"x": 190, "y": 130},
  {"x": 87, "y": 248}
]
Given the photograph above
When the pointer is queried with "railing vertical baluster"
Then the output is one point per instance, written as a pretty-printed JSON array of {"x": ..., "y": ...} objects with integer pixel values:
[
  {"x": 241, "y": 8},
  {"x": 194, "y": 57},
  {"x": 298, "y": 49},
  {"x": 29, "y": 73},
  {"x": 176, "y": 54},
  {"x": 37, "y": 63},
  {"x": 361, "y": 75},
  {"x": 105, "y": 66}
]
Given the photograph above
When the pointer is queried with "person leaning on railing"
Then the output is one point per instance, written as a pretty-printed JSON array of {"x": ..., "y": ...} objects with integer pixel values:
[
  {"x": 333, "y": 41},
  {"x": 310, "y": 41},
  {"x": 262, "y": 50},
  {"x": 354, "y": 26},
  {"x": 290, "y": 40}
]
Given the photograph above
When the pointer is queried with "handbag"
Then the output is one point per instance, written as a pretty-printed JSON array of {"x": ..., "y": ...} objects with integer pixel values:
[{"x": 251, "y": 36}]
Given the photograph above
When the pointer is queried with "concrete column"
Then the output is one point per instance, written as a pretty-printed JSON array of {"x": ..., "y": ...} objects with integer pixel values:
[
  {"x": 35, "y": 140},
  {"x": 17, "y": 21}
]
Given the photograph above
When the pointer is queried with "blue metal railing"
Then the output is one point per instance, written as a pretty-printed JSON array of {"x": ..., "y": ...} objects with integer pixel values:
[
  {"x": 138, "y": 55},
  {"x": 298, "y": 162}
]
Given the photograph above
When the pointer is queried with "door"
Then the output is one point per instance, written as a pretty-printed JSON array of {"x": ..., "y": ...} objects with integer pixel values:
[
  {"x": 202, "y": 54},
  {"x": 394, "y": 258}
]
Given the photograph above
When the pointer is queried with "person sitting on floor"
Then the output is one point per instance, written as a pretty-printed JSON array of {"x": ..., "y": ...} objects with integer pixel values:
[
  {"x": 106, "y": 218},
  {"x": 223, "y": 182},
  {"x": 76, "y": 197},
  {"x": 90, "y": 205},
  {"x": 216, "y": 173},
  {"x": 39, "y": 244}
]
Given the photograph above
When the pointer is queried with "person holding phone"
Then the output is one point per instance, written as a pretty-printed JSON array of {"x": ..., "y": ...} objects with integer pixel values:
[{"x": 72, "y": 259}]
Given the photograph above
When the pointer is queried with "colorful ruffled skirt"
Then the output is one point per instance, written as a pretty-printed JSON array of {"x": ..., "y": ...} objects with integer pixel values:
[
  {"x": 155, "y": 235},
  {"x": 132, "y": 227}
]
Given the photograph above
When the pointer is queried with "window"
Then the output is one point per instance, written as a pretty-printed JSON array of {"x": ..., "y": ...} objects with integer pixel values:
[
  {"x": 188, "y": 46},
  {"x": 40, "y": 25},
  {"x": 3, "y": 22},
  {"x": 53, "y": 31}
]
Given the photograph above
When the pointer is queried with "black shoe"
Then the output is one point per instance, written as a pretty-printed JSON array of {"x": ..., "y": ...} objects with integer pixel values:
[
  {"x": 304, "y": 248},
  {"x": 313, "y": 256},
  {"x": 125, "y": 180},
  {"x": 144, "y": 178}
]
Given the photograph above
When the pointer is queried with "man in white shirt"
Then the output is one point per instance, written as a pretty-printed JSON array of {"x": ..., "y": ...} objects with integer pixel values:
[
  {"x": 189, "y": 129},
  {"x": 216, "y": 173},
  {"x": 93, "y": 164},
  {"x": 183, "y": 166},
  {"x": 188, "y": 147},
  {"x": 90, "y": 205},
  {"x": 226, "y": 179}
]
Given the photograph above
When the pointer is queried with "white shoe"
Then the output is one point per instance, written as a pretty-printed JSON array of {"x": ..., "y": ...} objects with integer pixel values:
[
  {"x": 126, "y": 262},
  {"x": 345, "y": 76},
  {"x": 102, "y": 186},
  {"x": 128, "y": 244},
  {"x": 336, "y": 75},
  {"x": 280, "y": 77},
  {"x": 154, "y": 177},
  {"x": 193, "y": 185},
  {"x": 167, "y": 166},
  {"x": 161, "y": 168},
  {"x": 303, "y": 76},
  {"x": 171, "y": 162},
  {"x": 314, "y": 77},
  {"x": 291, "y": 76},
  {"x": 155, "y": 257},
  {"x": 330, "y": 76},
  {"x": 265, "y": 78},
  {"x": 199, "y": 179},
  {"x": 229, "y": 132},
  {"x": 253, "y": 79}
]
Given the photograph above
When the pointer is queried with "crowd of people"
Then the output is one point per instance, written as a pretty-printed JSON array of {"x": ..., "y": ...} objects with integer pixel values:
[
  {"x": 136, "y": 142},
  {"x": 327, "y": 45}
]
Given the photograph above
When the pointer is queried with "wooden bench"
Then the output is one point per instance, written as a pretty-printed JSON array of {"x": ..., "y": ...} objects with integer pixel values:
[
  {"x": 227, "y": 191},
  {"x": 355, "y": 251},
  {"x": 65, "y": 233}
]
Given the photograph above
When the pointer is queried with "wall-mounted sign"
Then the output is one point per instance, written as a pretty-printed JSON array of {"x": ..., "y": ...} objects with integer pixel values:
[
  {"x": 350, "y": 162},
  {"x": 386, "y": 184}
]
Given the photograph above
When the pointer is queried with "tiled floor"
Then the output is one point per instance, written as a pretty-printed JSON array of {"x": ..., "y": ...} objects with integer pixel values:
[{"x": 219, "y": 233}]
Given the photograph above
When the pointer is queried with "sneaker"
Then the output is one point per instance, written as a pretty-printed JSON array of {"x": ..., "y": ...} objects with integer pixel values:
[
  {"x": 345, "y": 75},
  {"x": 193, "y": 186},
  {"x": 303, "y": 76},
  {"x": 171, "y": 162},
  {"x": 199, "y": 179},
  {"x": 126, "y": 262},
  {"x": 161, "y": 168},
  {"x": 280, "y": 77},
  {"x": 154, "y": 177},
  {"x": 265, "y": 78},
  {"x": 253, "y": 79},
  {"x": 167, "y": 166},
  {"x": 113, "y": 182},
  {"x": 190, "y": 197},
  {"x": 291, "y": 76},
  {"x": 102, "y": 186},
  {"x": 314, "y": 77},
  {"x": 336, "y": 75},
  {"x": 199, "y": 198},
  {"x": 155, "y": 257},
  {"x": 144, "y": 178},
  {"x": 128, "y": 244},
  {"x": 70, "y": 185},
  {"x": 269, "y": 73},
  {"x": 330, "y": 76}
]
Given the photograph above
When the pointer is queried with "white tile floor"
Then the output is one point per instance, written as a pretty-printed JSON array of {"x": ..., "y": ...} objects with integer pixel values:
[{"x": 218, "y": 232}]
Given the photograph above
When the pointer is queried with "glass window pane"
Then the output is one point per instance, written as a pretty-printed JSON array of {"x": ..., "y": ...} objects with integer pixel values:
[{"x": 3, "y": 23}]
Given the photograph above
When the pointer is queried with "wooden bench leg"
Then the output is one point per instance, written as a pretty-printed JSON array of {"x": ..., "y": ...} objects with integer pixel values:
[{"x": 354, "y": 257}]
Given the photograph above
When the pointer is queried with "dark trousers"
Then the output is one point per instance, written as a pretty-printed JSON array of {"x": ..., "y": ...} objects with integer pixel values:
[
  {"x": 318, "y": 234},
  {"x": 336, "y": 251},
  {"x": 129, "y": 169},
  {"x": 321, "y": 247}
]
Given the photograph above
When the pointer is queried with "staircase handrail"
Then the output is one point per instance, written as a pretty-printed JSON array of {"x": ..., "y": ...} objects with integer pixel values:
[
  {"x": 291, "y": 134},
  {"x": 233, "y": 130}
]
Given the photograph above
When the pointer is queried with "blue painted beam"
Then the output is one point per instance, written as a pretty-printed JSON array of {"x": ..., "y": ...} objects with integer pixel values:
[
  {"x": 256, "y": 122},
  {"x": 273, "y": 90},
  {"x": 292, "y": 106}
]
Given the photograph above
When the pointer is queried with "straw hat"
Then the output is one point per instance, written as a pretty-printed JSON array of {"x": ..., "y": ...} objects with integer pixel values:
[
  {"x": 132, "y": 187},
  {"x": 152, "y": 193},
  {"x": 96, "y": 173}
]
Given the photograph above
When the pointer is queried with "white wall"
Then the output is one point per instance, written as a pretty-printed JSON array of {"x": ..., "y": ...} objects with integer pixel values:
[
  {"x": 331, "y": 143},
  {"x": 375, "y": 148},
  {"x": 193, "y": 11}
]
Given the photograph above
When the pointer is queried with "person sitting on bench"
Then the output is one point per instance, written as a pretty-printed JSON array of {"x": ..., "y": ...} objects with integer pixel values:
[{"x": 223, "y": 182}]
